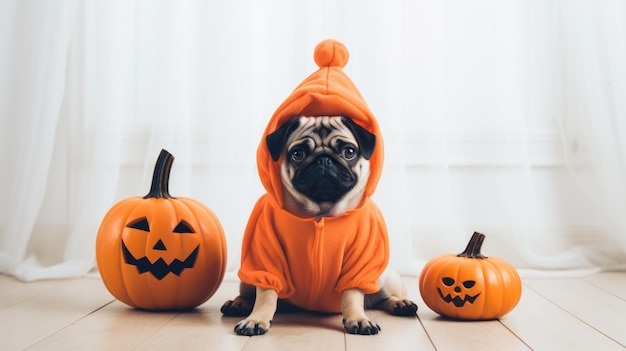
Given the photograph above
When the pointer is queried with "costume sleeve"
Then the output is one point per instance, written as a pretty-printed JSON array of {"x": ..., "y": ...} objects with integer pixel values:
[
  {"x": 367, "y": 256},
  {"x": 263, "y": 263}
]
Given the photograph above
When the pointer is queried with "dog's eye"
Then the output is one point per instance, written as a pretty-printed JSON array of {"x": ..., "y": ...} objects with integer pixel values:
[
  {"x": 297, "y": 155},
  {"x": 349, "y": 153}
]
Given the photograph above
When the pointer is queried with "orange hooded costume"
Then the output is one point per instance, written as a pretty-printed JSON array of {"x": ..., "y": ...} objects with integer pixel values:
[{"x": 308, "y": 261}]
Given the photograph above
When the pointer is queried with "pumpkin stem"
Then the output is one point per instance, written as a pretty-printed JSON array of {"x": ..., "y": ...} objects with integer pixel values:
[
  {"x": 473, "y": 247},
  {"x": 161, "y": 177}
]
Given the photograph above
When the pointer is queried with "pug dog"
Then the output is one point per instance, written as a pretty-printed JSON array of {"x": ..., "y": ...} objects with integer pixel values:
[
  {"x": 324, "y": 169},
  {"x": 327, "y": 164}
]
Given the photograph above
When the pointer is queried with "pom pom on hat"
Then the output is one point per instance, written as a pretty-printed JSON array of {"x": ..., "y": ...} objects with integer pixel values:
[
  {"x": 330, "y": 53},
  {"x": 326, "y": 92}
]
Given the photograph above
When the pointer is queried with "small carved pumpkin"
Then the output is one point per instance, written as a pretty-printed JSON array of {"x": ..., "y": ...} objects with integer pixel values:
[
  {"x": 160, "y": 252},
  {"x": 469, "y": 285}
]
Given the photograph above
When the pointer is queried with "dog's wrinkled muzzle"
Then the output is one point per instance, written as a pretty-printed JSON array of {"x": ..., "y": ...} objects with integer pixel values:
[{"x": 323, "y": 180}]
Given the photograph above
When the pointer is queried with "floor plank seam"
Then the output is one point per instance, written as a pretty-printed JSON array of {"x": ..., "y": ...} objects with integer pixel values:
[
  {"x": 575, "y": 316},
  {"x": 430, "y": 339},
  {"x": 141, "y": 342},
  {"x": 608, "y": 291},
  {"x": 514, "y": 333},
  {"x": 99, "y": 308},
  {"x": 74, "y": 322}
]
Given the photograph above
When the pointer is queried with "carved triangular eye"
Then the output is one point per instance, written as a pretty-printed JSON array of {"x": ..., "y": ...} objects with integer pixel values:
[
  {"x": 447, "y": 281},
  {"x": 183, "y": 227},
  {"x": 141, "y": 224},
  {"x": 469, "y": 283}
]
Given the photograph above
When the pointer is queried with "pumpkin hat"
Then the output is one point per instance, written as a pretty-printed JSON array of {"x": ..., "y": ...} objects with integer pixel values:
[{"x": 326, "y": 92}]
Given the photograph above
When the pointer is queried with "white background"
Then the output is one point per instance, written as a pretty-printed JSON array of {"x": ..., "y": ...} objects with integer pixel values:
[{"x": 501, "y": 117}]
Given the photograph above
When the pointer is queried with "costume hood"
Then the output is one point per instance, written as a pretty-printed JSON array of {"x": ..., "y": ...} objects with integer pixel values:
[{"x": 326, "y": 92}]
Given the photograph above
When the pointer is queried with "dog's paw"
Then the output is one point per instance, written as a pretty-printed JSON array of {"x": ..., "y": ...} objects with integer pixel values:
[
  {"x": 239, "y": 307},
  {"x": 251, "y": 327},
  {"x": 403, "y": 308},
  {"x": 361, "y": 326}
]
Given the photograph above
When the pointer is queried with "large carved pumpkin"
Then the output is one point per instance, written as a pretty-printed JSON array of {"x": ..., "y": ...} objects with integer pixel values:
[
  {"x": 469, "y": 285},
  {"x": 160, "y": 252}
]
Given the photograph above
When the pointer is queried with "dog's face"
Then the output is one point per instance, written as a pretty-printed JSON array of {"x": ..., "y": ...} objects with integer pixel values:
[{"x": 325, "y": 163}]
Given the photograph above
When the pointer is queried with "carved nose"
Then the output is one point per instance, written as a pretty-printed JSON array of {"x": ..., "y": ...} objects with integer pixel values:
[
  {"x": 159, "y": 246},
  {"x": 457, "y": 289}
]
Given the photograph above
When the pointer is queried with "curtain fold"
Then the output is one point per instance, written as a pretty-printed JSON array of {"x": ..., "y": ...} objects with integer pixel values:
[
  {"x": 593, "y": 119},
  {"x": 500, "y": 117},
  {"x": 35, "y": 44}
]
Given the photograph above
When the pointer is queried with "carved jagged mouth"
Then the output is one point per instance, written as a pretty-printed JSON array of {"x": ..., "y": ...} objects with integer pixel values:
[
  {"x": 160, "y": 269},
  {"x": 457, "y": 300}
]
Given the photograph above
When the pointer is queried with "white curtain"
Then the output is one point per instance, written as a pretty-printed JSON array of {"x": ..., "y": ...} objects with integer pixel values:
[{"x": 501, "y": 117}]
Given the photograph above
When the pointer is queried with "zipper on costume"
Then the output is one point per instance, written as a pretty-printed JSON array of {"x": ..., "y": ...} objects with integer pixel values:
[{"x": 317, "y": 262}]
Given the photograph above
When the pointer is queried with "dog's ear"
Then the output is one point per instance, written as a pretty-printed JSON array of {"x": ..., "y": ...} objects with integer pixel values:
[
  {"x": 276, "y": 141},
  {"x": 366, "y": 140}
]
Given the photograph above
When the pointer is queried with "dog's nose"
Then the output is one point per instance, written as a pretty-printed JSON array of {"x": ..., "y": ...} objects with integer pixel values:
[{"x": 324, "y": 161}]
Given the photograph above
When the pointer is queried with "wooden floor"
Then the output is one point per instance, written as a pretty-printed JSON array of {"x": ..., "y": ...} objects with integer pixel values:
[{"x": 586, "y": 313}]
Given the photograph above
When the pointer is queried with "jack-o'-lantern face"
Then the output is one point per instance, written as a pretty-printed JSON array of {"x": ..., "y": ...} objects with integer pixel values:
[
  {"x": 154, "y": 258},
  {"x": 457, "y": 293},
  {"x": 469, "y": 285},
  {"x": 160, "y": 252}
]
